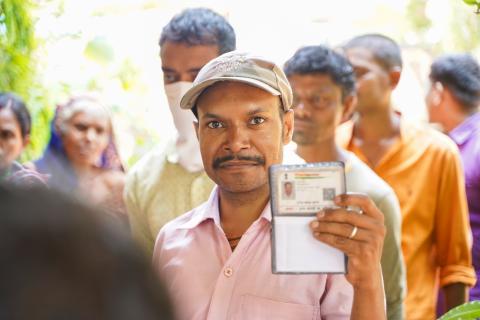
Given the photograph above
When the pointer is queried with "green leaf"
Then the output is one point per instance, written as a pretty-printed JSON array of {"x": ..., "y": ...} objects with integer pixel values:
[
  {"x": 99, "y": 50},
  {"x": 467, "y": 311}
]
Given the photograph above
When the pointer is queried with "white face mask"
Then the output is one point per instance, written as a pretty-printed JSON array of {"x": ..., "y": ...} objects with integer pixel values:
[{"x": 187, "y": 146}]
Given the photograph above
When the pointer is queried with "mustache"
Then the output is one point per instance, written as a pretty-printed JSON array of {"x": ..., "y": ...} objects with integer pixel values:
[
  {"x": 306, "y": 120},
  {"x": 256, "y": 159}
]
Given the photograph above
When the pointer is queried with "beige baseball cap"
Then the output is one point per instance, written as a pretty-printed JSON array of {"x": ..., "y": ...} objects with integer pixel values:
[{"x": 240, "y": 67}]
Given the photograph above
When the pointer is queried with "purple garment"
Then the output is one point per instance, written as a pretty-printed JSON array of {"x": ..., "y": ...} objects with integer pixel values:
[{"x": 467, "y": 137}]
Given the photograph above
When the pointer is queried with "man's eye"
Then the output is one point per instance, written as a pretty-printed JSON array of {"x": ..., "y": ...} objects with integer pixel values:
[
  {"x": 169, "y": 77},
  {"x": 81, "y": 127},
  {"x": 6, "y": 134},
  {"x": 215, "y": 124},
  {"x": 257, "y": 120},
  {"x": 359, "y": 73}
]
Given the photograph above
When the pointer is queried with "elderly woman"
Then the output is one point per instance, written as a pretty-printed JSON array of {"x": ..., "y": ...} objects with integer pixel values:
[
  {"x": 15, "y": 126},
  {"x": 81, "y": 158}
]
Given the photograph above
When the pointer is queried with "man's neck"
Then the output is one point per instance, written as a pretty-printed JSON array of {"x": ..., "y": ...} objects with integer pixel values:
[
  {"x": 323, "y": 151},
  {"x": 377, "y": 126},
  {"x": 456, "y": 119},
  {"x": 84, "y": 170},
  {"x": 239, "y": 210}
]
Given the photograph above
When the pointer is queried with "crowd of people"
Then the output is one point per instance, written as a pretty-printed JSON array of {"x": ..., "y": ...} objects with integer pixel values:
[{"x": 199, "y": 209}]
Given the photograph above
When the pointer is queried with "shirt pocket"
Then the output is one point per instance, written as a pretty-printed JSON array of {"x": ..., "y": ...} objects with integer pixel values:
[{"x": 258, "y": 308}]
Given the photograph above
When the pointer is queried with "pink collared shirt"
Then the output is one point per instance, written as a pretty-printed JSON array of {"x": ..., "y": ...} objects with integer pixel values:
[{"x": 208, "y": 281}]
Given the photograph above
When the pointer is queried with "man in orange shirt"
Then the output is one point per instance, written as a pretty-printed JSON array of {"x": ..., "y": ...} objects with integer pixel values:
[{"x": 423, "y": 167}]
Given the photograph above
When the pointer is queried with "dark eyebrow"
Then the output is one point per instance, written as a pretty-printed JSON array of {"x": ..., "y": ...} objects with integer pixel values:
[
  {"x": 165, "y": 69},
  {"x": 196, "y": 70},
  {"x": 250, "y": 113},
  {"x": 256, "y": 110},
  {"x": 211, "y": 116}
]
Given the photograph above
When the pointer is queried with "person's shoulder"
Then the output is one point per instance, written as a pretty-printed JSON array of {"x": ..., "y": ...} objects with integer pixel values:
[
  {"x": 114, "y": 178},
  {"x": 424, "y": 135},
  {"x": 360, "y": 178},
  {"x": 153, "y": 158},
  {"x": 26, "y": 176},
  {"x": 150, "y": 165},
  {"x": 182, "y": 222}
]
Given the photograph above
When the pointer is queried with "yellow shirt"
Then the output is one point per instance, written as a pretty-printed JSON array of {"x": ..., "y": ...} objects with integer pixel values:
[
  {"x": 157, "y": 190},
  {"x": 424, "y": 169}
]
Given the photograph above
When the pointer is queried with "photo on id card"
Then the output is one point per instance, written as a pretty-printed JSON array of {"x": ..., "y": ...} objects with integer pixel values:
[{"x": 298, "y": 193}]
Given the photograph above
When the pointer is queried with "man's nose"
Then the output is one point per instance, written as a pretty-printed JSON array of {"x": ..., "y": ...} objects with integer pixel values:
[
  {"x": 300, "y": 111},
  {"x": 187, "y": 77},
  {"x": 91, "y": 134},
  {"x": 237, "y": 140}
]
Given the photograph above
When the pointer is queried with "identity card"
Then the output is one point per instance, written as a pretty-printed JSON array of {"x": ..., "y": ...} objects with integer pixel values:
[{"x": 298, "y": 193}]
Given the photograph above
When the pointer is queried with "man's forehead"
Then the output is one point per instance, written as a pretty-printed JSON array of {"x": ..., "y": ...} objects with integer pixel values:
[
  {"x": 316, "y": 82},
  {"x": 313, "y": 84},
  {"x": 361, "y": 57},
  {"x": 176, "y": 55}
]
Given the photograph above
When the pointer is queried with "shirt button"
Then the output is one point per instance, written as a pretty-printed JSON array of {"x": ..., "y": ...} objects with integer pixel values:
[{"x": 228, "y": 272}]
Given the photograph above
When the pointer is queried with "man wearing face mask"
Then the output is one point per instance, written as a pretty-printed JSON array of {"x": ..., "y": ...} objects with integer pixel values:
[{"x": 168, "y": 182}]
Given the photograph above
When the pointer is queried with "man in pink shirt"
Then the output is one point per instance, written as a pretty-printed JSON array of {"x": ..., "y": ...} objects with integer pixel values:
[{"x": 216, "y": 259}]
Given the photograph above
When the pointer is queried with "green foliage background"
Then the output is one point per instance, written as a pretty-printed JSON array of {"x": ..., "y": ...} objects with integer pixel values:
[
  {"x": 18, "y": 68},
  {"x": 463, "y": 27}
]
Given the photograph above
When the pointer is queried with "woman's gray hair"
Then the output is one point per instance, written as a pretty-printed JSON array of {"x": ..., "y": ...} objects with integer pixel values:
[{"x": 76, "y": 104}]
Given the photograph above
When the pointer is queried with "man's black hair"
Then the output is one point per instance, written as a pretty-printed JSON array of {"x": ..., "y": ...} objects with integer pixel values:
[
  {"x": 62, "y": 260},
  {"x": 460, "y": 73},
  {"x": 15, "y": 103},
  {"x": 323, "y": 60},
  {"x": 200, "y": 26},
  {"x": 384, "y": 49}
]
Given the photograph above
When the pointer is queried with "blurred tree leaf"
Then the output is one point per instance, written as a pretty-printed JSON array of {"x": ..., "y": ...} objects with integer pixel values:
[
  {"x": 461, "y": 33},
  {"x": 467, "y": 311},
  {"x": 99, "y": 50},
  {"x": 475, "y": 3},
  {"x": 417, "y": 15}
]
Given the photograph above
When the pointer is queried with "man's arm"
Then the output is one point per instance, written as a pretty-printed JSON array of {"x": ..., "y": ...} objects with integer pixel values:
[
  {"x": 393, "y": 267},
  {"x": 361, "y": 237},
  {"x": 452, "y": 233},
  {"x": 455, "y": 294}
]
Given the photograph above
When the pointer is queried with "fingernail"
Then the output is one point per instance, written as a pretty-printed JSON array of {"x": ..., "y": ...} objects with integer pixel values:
[
  {"x": 338, "y": 199},
  {"x": 315, "y": 224},
  {"x": 316, "y": 234},
  {"x": 321, "y": 214}
]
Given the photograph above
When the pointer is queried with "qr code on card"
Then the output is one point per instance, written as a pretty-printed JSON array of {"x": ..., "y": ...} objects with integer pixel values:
[{"x": 328, "y": 194}]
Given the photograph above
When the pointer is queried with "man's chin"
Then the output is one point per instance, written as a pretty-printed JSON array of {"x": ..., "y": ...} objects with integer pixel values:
[
  {"x": 241, "y": 184},
  {"x": 240, "y": 188},
  {"x": 300, "y": 138}
]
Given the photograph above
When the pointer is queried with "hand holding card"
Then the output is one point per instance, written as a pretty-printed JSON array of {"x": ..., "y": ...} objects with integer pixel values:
[
  {"x": 360, "y": 236},
  {"x": 298, "y": 192}
]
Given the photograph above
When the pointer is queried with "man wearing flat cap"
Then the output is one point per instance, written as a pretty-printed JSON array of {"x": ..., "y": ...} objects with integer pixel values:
[{"x": 216, "y": 259}]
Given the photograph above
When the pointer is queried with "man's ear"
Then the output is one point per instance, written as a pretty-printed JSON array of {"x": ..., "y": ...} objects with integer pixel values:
[
  {"x": 26, "y": 141},
  {"x": 438, "y": 92},
  {"x": 349, "y": 104},
  {"x": 394, "y": 76},
  {"x": 59, "y": 128},
  {"x": 288, "y": 122},
  {"x": 195, "y": 126}
]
